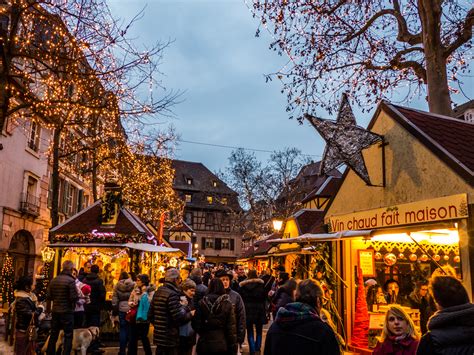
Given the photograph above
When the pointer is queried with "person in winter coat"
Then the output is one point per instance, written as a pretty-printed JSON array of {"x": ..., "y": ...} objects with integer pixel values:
[
  {"x": 252, "y": 291},
  {"x": 298, "y": 328},
  {"x": 215, "y": 322},
  {"x": 120, "y": 297},
  {"x": 187, "y": 335},
  {"x": 284, "y": 295},
  {"x": 97, "y": 302},
  {"x": 62, "y": 292},
  {"x": 167, "y": 314},
  {"x": 79, "y": 313},
  {"x": 236, "y": 300},
  {"x": 27, "y": 312},
  {"x": 451, "y": 328},
  {"x": 138, "y": 298},
  {"x": 201, "y": 289},
  {"x": 420, "y": 299},
  {"x": 399, "y": 336},
  {"x": 240, "y": 276}
]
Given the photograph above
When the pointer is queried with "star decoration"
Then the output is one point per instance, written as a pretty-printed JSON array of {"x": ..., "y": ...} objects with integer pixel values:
[{"x": 344, "y": 141}]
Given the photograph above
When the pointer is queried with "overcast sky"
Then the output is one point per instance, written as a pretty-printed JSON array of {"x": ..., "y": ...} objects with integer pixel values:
[{"x": 218, "y": 62}]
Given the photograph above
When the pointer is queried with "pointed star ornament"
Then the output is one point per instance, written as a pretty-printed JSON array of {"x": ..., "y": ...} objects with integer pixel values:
[{"x": 344, "y": 141}]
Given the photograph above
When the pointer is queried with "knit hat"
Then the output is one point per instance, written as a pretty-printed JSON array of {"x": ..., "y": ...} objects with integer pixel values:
[
  {"x": 171, "y": 275},
  {"x": 86, "y": 290}
]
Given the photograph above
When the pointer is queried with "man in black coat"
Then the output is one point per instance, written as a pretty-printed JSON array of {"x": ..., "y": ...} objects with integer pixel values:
[
  {"x": 167, "y": 314},
  {"x": 201, "y": 289},
  {"x": 451, "y": 329},
  {"x": 298, "y": 329},
  {"x": 92, "y": 309},
  {"x": 226, "y": 278},
  {"x": 62, "y": 293}
]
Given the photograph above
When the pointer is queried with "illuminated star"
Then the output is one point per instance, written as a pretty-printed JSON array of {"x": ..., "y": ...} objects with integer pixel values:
[{"x": 344, "y": 141}]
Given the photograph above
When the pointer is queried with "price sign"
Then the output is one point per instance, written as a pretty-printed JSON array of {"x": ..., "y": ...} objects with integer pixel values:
[{"x": 367, "y": 263}]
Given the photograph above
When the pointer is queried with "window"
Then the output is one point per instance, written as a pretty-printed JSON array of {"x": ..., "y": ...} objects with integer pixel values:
[
  {"x": 225, "y": 243},
  {"x": 34, "y": 137},
  {"x": 188, "y": 197},
  {"x": 209, "y": 243},
  {"x": 31, "y": 187},
  {"x": 214, "y": 183},
  {"x": 209, "y": 199},
  {"x": 209, "y": 219},
  {"x": 188, "y": 218},
  {"x": 224, "y": 200},
  {"x": 189, "y": 181}
]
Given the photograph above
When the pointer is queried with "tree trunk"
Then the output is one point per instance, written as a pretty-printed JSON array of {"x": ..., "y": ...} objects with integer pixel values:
[
  {"x": 439, "y": 99},
  {"x": 55, "y": 179},
  {"x": 94, "y": 176}
]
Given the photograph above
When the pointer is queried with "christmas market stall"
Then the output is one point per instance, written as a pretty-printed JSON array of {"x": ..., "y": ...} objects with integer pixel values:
[
  {"x": 401, "y": 213},
  {"x": 111, "y": 236}
]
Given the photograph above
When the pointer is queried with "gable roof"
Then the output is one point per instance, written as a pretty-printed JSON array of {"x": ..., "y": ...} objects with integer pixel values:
[
  {"x": 87, "y": 221},
  {"x": 309, "y": 221},
  {"x": 327, "y": 189},
  {"x": 202, "y": 178},
  {"x": 449, "y": 139}
]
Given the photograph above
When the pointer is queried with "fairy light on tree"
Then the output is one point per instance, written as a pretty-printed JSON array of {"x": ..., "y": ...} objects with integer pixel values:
[
  {"x": 369, "y": 49},
  {"x": 72, "y": 66},
  {"x": 6, "y": 280}
]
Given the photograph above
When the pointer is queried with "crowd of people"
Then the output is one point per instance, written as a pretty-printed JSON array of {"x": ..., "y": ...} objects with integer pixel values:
[{"x": 210, "y": 312}]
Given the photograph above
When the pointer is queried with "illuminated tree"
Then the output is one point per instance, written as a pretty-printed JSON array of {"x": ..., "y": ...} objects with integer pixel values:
[
  {"x": 71, "y": 65},
  {"x": 369, "y": 48},
  {"x": 6, "y": 280}
]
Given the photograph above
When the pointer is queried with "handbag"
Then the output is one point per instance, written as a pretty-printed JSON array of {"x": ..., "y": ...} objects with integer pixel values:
[
  {"x": 131, "y": 315},
  {"x": 31, "y": 332}
]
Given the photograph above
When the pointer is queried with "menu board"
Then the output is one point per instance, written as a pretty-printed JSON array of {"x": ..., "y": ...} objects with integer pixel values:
[{"x": 367, "y": 263}]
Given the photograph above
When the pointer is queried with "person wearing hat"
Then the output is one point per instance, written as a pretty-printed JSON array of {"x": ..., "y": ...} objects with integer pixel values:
[
  {"x": 236, "y": 300},
  {"x": 167, "y": 314}
]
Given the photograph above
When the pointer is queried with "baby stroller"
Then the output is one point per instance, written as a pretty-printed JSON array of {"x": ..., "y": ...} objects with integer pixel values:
[{"x": 44, "y": 329}]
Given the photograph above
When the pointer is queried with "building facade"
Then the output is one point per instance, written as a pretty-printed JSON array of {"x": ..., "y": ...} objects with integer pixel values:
[{"x": 211, "y": 208}]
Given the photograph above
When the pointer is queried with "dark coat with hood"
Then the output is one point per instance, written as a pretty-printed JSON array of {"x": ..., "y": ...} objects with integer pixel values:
[
  {"x": 26, "y": 309},
  {"x": 122, "y": 291},
  {"x": 253, "y": 294},
  {"x": 167, "y": 315},
  {"x": 240, "y": 314},
  {"x": 298, "y": 330},
  {"x": 215, "y": 323},
  {"x": 62, "y": 292},
  {"x": 201, "y": 290},
  {"x": 97, "y": 293},
  {"x": 450, "y": 331}
]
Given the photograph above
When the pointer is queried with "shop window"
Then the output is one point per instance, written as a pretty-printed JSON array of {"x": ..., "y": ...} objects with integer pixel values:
[
  {"x": 34, "y": 136},
  {"x": 209, "y": 200},
  {"x": 188, "y": 197}
]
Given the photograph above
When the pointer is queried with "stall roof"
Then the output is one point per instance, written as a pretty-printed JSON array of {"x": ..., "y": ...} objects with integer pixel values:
[
  {"x": 137, "y": 246},
  {"x": 324, "y": 237},
  {"x": 87, "y": 221}
]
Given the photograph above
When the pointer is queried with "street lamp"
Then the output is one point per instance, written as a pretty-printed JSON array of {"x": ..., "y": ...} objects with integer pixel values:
[
  {"x": 47, "y": 254},
  {"x": 277, "y": 224}
]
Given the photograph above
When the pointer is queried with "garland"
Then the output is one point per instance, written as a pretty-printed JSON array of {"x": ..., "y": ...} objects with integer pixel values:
[{"x": 94, "y": 238}]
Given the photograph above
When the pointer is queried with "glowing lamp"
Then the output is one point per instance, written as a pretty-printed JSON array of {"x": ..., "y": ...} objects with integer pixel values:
[
  {"x": 277, "y": 224},
  {"x": 47, "y": 254}
]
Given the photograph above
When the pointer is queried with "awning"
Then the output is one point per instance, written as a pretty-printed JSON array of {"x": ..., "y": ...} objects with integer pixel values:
[
  {"x": 324, "y": 237},
  {"x": 151, "y": 248}
]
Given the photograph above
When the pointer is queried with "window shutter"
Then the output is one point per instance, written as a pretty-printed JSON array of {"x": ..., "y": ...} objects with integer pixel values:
[
  {"x": 232, "y": 244},
  {"x": 217, "y": 245},
  {"x": 203, "y": 243},
  {"x": 80, "y": 200}
]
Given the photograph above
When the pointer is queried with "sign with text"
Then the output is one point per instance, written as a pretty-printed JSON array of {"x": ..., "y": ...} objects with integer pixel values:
[
  {"x": 367, "y": 262},
  {"x": 438, "y": 209}
]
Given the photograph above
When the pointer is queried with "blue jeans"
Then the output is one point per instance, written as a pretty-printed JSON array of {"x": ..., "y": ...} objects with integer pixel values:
[
  {"x": 124, "y": 333},
  {"x": 64, "y": 321},
  {"x": 254, "y": 343}
]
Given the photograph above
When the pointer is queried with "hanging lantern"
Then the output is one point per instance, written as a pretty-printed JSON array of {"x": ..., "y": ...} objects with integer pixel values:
[
  {"x": 378, "y": 256},
  {"x": 446, "y": 257},
  {"x": 457, "y": 259},
  {"x": 401, "y": 256},
  {"x": 173, "y": 262},
  {"x": 47, "y": 254},
  {"x": 424, "y": 257},
  {"x": 436, "y": 257},
  {"x": 413, "y": 257},
  {"x": 390, "y": 259}
]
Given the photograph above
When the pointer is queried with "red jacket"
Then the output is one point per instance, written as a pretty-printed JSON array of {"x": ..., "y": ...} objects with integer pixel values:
[{"x": 390, "y": 346}]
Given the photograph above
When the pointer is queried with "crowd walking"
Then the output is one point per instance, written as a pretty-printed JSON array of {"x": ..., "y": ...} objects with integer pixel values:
[{"x": 190, "y": 314}]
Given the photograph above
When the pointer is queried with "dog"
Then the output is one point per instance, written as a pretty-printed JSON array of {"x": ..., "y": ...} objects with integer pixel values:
[{"x": 81, "y": 340}]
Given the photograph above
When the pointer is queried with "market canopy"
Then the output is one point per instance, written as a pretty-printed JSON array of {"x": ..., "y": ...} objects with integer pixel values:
[
  {"x": 151, "y": 248},
  {"x": 324, "y": 237}
]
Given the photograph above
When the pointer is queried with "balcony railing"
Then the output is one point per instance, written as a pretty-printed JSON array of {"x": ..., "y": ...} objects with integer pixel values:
[{"x": 30, "y": 204}]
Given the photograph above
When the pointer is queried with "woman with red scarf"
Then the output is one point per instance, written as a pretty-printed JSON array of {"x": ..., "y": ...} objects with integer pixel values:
[{"x": 399, "y": 336}]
